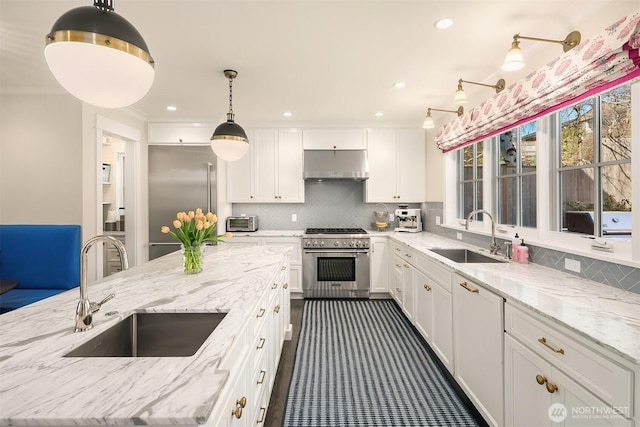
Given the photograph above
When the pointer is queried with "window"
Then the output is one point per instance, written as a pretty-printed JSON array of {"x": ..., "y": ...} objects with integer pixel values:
[
  {"x": 516, "y": 176},
  {"x": 470, "y": 161},
  {"x": 594, "y": 171}
]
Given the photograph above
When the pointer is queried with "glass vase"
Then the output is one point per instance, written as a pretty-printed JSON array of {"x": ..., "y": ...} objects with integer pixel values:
[{"x": 192, "y": 258}]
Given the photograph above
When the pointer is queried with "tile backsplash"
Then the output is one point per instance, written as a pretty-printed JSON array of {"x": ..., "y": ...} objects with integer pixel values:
[
  {"x": 608, "y": 273},
  {"x": 327, "y": 204}
]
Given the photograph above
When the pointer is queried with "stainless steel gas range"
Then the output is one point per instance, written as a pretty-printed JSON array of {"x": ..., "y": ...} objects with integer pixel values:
[{"x": 335, "y": 263}]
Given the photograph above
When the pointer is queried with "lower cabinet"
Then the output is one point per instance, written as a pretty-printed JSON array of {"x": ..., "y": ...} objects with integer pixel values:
[
  {"x": 478, "y": 341},
  {"x": 253, "y": 360},
  {"x": 379, "y": 270},
  {"x": 295, "y": 282},
  {"x": 552, "y": 379}
]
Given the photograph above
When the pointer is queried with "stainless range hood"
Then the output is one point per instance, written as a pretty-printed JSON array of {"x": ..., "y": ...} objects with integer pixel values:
[{"x": 335, "y": 165}]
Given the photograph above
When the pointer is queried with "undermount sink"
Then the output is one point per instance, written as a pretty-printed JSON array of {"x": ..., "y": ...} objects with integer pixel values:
[
  {"x": 465, "y": 256},
  {"x": 152, "y": 335}
]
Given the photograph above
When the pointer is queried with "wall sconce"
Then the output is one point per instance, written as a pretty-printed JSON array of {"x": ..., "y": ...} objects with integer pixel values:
[
  {"x": 428, "y": 121},
  {"x": 229, "y": 140},
  {"x": 515, "y": 61},
  {"x": 99, "y": 57},
  {"x": 461, "y": 97}
]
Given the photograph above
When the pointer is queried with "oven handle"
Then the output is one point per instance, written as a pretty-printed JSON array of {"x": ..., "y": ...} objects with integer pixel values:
[{"x": 307, "y": 251}]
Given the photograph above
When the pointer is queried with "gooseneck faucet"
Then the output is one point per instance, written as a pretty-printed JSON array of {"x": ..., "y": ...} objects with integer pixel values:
[
  {"x": 493, "y": 248},
  {"x": 86, "y": 308}
]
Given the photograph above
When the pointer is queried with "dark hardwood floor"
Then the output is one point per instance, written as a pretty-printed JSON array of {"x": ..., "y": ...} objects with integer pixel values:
[{"x": 275, "y": 413}]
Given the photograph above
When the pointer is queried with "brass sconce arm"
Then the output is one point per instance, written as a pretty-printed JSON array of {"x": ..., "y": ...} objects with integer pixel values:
[{"x": 572, "y": 40}]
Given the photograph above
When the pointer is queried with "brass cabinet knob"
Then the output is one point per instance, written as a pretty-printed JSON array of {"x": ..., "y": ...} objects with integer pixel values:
[
  {"x": 541, "y": 379},
  {"x": 277, "y": 308},
  {"x": 242, "y": 402},
  {"x": 427, "y": 287},
  {"x": 237, "y": 412},
  {"x": 285, "y": 286},
  {"x": 552, "y": 388}
]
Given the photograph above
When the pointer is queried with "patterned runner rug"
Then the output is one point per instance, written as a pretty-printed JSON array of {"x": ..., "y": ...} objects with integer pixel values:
[{"x": 360, "y": 363}]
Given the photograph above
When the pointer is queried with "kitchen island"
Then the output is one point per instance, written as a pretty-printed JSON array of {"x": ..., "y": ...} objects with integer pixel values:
[{"x": 38, "y": 386}]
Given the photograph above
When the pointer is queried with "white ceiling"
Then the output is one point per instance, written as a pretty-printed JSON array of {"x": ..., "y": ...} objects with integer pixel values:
[{"x": 327, "y": 62}]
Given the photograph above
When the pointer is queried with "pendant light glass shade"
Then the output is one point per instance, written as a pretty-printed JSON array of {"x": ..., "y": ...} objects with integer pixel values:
[
  {"x": 99, "y": 57},
  {"x": 229, "y": 140},
  {"x": 460, "y": 98}
]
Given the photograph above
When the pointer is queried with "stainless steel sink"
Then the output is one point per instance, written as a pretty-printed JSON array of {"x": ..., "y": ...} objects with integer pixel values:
[
  {"x": 152, "y": 335},
  {"x": 465, "y": 256}
]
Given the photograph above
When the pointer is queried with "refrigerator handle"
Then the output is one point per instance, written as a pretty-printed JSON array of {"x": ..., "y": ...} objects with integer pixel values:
[{"x": 209, "y": 164}]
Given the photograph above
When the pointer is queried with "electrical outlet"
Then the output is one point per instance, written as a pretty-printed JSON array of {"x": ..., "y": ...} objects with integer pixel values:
[
  {"x": 572, "y": 265},
  {"x": 459, "y": 236},
  {"x": 294, "y": 217},
  {"x": 437, "y": 220}
]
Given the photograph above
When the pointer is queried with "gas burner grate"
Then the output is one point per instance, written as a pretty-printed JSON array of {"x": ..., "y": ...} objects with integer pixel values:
[{"x": 335, "y": 231}]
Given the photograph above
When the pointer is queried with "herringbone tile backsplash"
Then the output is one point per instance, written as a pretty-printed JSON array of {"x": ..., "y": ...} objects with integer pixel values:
[{"x": 327, "y": 204}]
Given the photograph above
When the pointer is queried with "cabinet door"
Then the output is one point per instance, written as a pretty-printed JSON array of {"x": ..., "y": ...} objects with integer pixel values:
[
  {"x": 407, "y": 291},
  {"x": 424, "y": 305},
  {"x": 526, "y": 401},
  {"x": 379, "y": 265},
  {"x": 240, "y": 176},
  {"x": 411, "y": 170},
  {"x": 395, "y": 288},
  {"x": 265, "y": 147},
  {"x": 180, "y": 133},
  {"x": 290, "y": 165},
  {"x": 381, "y": 155},
  {"x": 478, "y": 336},
  {"x": 442, "y": 334}
]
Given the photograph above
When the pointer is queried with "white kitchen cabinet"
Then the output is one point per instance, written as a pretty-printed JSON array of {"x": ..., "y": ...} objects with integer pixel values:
[
  {"x": 295, "y": 280},
  {"x": 180, "y": 133},
  {"x": 408, "y": 300},
  {"x": 433, "y": 311},
  {"x": 379, "y": 263},
  {"x": 478, "y": 346},
  {"x": 272, "y": 170},
  {"x": 397, "y": 166},
  {"x": 334, "y": 139},
  {"x": 546, "y": 366}
]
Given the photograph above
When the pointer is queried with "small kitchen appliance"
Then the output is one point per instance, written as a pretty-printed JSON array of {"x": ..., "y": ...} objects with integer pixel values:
[
  {"x": 242, "y": 223},
  {"x": 335, "y": 263},
  {"x": 409, "y": 220}
]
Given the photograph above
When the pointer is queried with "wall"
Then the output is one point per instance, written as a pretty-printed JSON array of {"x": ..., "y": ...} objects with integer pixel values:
[
  {"x": 327, "y": 204},
  {"x": 40, "y": 159},
  {"x": 608, "y": 273}
]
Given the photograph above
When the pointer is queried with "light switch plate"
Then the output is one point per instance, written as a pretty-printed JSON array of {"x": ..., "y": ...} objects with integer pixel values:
[
  {"x": 437, "y": 220},
  {"x": 294, "y": 217},
  {"x": 459, "y": 236},
  {"x": 572, "y": 265}
]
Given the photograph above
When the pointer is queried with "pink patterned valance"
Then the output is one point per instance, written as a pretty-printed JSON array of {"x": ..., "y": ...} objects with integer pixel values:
[{"x": 594, "y": 66}]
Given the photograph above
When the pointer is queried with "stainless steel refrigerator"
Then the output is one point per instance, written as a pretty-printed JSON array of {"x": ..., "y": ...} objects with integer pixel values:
[{"x": 181, "y": 178}]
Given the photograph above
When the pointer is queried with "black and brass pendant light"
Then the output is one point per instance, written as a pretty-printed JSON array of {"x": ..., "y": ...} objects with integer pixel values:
[{"x": 229, "y": 140}]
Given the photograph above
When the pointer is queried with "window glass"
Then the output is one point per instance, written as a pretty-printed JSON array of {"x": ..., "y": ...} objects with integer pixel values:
[
  {"x": 470, "y": 182},
  {"x": 576, "y": 132}
]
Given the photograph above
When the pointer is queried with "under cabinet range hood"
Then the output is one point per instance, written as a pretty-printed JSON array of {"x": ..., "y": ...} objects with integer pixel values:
[{"x": 335, "y": 165}]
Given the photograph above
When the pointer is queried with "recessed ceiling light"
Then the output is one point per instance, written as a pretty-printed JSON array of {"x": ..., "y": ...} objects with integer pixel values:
[
  {"x": 171, "y": 108},
  {"x": 443, "y": 24},
  {"x": 378, "y": 114},
  {"x": 399, "y": 85},
  {"x": 287, "y": 114}
]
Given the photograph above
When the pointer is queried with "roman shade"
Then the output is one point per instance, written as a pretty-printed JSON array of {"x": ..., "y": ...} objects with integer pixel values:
[{"x": 600, "y": 63}]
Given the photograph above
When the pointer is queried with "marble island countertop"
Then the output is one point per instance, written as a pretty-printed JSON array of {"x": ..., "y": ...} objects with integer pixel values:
[
  {"x": 38, "y": 386},
  {"x": 605, "y": 315}
]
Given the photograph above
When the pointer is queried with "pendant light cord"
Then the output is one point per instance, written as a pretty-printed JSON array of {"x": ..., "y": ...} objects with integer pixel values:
[
  {"x": 230, "y": 113},
  {"x": 106, "y": 5}
]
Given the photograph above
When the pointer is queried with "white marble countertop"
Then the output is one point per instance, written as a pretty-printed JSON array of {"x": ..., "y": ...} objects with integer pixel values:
[
  {"x": 38, "y": 386},
  {"x": 606, "y": 315}
]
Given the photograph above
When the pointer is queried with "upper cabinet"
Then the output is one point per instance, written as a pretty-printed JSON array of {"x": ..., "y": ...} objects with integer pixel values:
[
  {"x": 180, "y": 133},
  {"x": 397, "y": 171},
  {"x": 271, "y": 172},
  {"x": 335, "y": 139}
]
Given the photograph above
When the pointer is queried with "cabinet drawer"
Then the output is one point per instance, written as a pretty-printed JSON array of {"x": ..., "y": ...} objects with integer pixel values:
[
  {"x": 605, "y": 378},
  {"x": 436, "y": 272}
]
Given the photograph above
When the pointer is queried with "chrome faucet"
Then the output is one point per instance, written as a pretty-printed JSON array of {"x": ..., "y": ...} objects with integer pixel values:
[
  {"x": 86, "y": 308},
  {"x": 493, "y": 248}
]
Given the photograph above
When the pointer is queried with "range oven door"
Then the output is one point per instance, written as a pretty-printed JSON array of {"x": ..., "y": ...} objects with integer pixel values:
[{"x": 330, "y": 274}]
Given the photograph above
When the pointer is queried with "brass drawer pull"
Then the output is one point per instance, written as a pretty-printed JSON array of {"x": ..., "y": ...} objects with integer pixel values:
[
  {"x": 263, "y": 373},
  {"x": 274, "y": 286},
  {"x": 261, "y": 345},
  {"x": 398, "y": 265},
  {"x": 464, "y": 285},
  {"x": 398, "y": 249},
  {"x": 543, "y": 341},
  {"x": 262, "y": 310},
  {"x": 263, "y": 412},
  {"x": 427, "y": 287},
  {"x": 277, "y": 308},
  {"x": 398, "y": 290},
  {"x": 284, "y": 267},
  {"x": 408, "y": 255}
]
